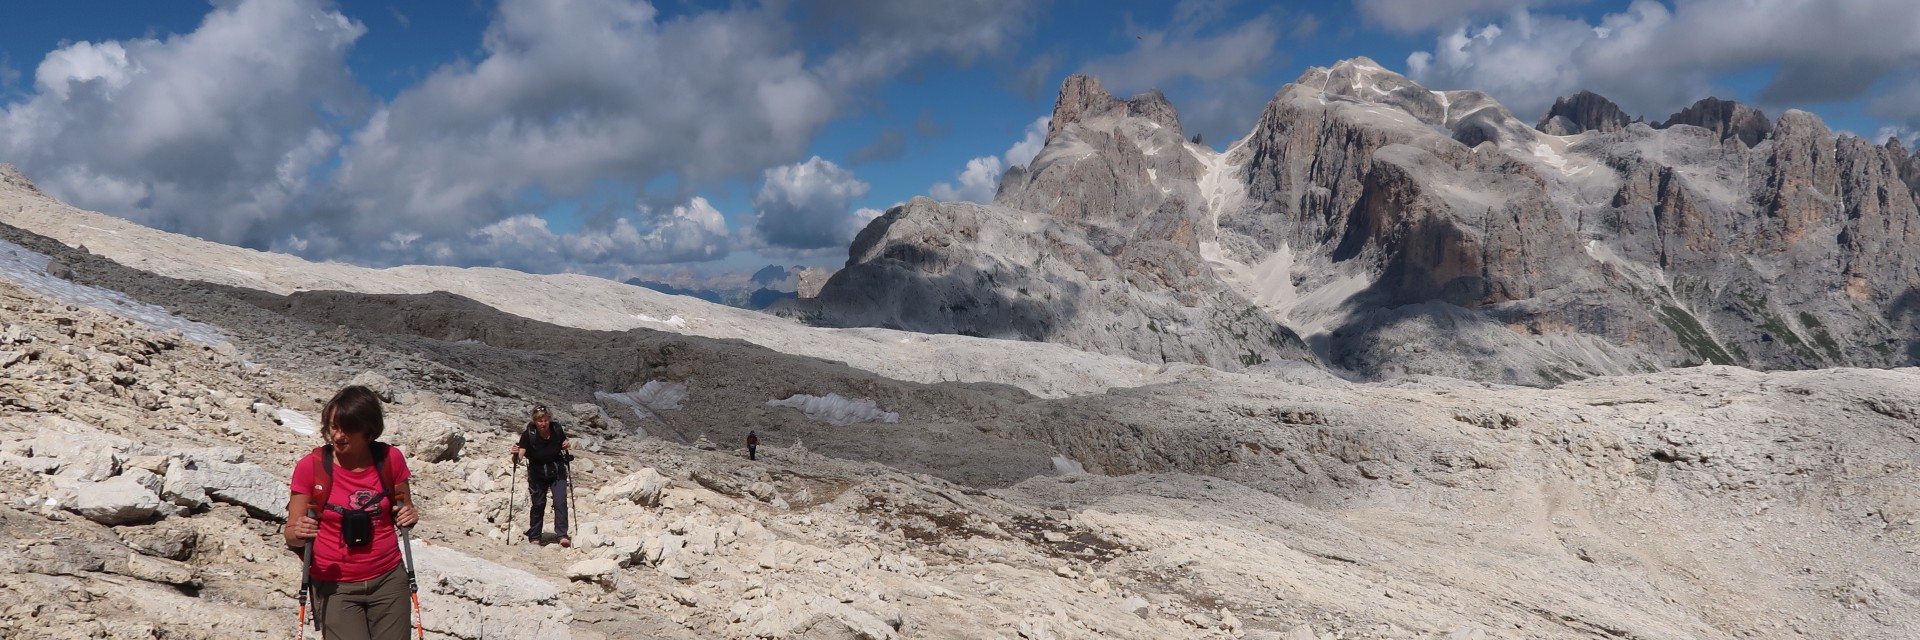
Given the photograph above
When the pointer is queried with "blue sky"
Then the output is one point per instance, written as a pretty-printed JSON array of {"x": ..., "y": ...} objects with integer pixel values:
[{"x": 622, "y": 138}]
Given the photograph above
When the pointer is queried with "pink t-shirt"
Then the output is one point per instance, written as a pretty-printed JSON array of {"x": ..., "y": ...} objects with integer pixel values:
[{"x": 333, "y": 561}]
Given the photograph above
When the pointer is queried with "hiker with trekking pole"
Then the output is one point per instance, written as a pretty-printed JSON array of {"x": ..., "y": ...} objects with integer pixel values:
[
  {"x": 348, "y": 498},
  {"x": 544, "y": 444}
]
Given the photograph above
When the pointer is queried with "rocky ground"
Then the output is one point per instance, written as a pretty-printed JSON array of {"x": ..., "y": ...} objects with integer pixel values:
[
  {"x": 142, "y": 476},
  {"x": 143, "y": 471}
]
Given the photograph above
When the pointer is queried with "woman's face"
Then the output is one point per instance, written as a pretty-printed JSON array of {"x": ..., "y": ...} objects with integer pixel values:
[
  {"x": 542, "y": 422},
  {"x": 345, "y": 442}
]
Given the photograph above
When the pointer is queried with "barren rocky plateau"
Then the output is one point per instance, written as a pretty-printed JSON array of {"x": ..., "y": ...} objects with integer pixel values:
[{"x": 142, "y": 474}]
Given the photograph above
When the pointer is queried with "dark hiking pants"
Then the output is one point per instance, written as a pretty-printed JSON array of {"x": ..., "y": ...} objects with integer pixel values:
[
  {"x": 374, "y": 609},
  {"x": 558, "y": 489}
]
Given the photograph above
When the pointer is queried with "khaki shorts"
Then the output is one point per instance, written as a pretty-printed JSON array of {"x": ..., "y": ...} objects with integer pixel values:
[{"x": 374, "y": 609}]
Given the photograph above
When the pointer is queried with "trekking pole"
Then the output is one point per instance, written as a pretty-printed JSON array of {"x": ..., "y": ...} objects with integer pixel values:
[
  {"x": 306, "y": 584},
  {"x": 306, "y": 577},
  {"x": 413, "y": 585},
  {"x": 566, "y": 467},
  {"x": 512, "y": 486}
]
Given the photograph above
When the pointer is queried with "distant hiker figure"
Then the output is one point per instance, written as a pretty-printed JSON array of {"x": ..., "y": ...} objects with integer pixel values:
[
  {"x": 545, "y": 446},
  {"x": 753, "y": 445},
  {"x": 347, "y": 498}
]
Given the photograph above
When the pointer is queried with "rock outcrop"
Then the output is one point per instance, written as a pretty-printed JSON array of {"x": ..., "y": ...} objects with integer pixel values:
[
  {"x": 1582, "y": 112},
  {"x": 1726, "y": 119},
  {"x": 1400, "y": 230},
  {"x": 1097, "y": 244}
]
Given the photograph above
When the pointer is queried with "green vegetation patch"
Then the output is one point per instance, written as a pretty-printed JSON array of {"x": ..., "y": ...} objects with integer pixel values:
[
  {"x": 1820, "y": 335},
  {"x": 1692, "y": 335}
]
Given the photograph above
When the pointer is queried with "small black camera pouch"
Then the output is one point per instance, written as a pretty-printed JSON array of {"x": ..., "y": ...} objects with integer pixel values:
[{"x": 356, "y": 526}]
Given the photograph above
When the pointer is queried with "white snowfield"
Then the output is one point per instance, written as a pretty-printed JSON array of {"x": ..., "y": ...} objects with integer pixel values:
[
  {"x": 580, "y": 301},
  {"x": 28, "y": 269}
]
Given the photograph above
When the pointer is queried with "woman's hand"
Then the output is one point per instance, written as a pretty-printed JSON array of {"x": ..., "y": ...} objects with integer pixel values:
[
  {"x": 405, "y": 516},
  {"x": 566, "y": 444},
  {"x": 517, "y": 452},
  {"x": 300, "y": 529}
]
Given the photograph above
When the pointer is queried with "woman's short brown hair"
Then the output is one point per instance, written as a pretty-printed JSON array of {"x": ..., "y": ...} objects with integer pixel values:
[
  {"x": 355, "y": 409},
  {"x": 540, "y": 410}
]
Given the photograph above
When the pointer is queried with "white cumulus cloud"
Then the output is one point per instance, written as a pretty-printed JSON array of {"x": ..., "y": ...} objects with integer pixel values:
[
  {"x": 692, "y": 232},
  {"x": 806, "y": 206},
  {"x": 1654, "y": 58},
  {"x": 978, "y": 182},
  {"x": 571, "y": 91},
  {"x": 1419, "y": 15},
  {"x": 213, "y": 133},
  {"x": 251, "y": 130},
  {"x": 980, "y": 179}
]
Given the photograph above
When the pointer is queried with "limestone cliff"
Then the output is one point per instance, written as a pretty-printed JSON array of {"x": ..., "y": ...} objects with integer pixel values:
[
  {"x": 1396, "y": 230},
  {"x": 1095, "y": 244}
]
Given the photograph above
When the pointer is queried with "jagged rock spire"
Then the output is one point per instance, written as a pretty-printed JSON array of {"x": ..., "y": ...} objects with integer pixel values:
[
  {"x": 1081, "y": 97},
  {"x": 1727, "y": 118},
  {"x": 1582, "y": 112}
]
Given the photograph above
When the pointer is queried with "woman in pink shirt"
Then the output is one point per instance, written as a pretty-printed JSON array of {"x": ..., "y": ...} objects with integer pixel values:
[{"x": 347, "y": 498}]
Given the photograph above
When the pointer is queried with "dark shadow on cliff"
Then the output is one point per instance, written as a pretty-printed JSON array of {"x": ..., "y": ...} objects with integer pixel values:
[
  {"x": 898, "y": 291},
  {"x": 1905, "y": 308}
]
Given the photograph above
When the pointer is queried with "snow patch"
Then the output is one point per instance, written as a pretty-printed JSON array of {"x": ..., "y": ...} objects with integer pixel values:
[
  {"x": 837, "y": 410},
  {"x": 1066, "y": 466},
  {"x": 676, "y": 321},
  {"x": 28, "y": 268},
  {"x": 296, "y": 422},
  {"x": 1548, "y": 155},
  {"x": 653, "y": 396}
]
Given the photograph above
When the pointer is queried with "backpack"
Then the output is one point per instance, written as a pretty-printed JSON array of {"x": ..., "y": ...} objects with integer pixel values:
[
  {"x": 551, "y": 470},
  {"x": 356, "y": 524}
]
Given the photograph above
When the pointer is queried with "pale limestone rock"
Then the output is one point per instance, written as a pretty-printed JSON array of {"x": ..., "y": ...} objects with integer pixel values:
[
  {"x": 595, "y": 569},
  {"x": 161, "y": 570},
  {"x": 119, "y": 500},
  {"x": 428, "y": 437},
  {"x": 194, "y": 482},
  {"x": 161, "y": 540},
  {"x": 644, "y": 488}
]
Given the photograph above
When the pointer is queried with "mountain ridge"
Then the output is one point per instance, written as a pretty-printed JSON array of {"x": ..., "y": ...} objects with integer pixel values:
[{"x": 1396, "y": 229}]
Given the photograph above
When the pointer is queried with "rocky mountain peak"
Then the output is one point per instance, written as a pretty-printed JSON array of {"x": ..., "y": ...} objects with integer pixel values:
[
  {"x": 1907, "y": 164},
  {"x": 1360, "y": 78},
  {"x": 1582, "y": 112},
  {"x": 1081, "y": 97},
  {"x": 1154, "y": 107},
  {"x": 11, "y": 175},
  {"x": 1727, "y": 118},
  {"x": 1797, "y": 123}
]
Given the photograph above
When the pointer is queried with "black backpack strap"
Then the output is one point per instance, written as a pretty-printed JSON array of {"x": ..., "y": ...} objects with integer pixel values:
[
  {"x": 326, "y": 464},
  {"x": 379, "y": 451}
]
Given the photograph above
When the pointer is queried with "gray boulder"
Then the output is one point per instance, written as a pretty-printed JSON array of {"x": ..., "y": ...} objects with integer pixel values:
[
  {"x": 644, "y": 488},
  {"x": 379, "y": 384},
  {"x": 465, "y": 596},
  {"x": 115, "y": 501},
  {"x": 160, "y": 540},
  {"x": 429, "y": 437},
  {"x": 193, "y": 483}
]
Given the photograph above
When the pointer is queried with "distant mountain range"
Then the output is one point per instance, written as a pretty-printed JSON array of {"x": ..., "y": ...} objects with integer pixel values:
[
  {"x": 763, "y": 289},
  {"x": 1379, "y": 228}
]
